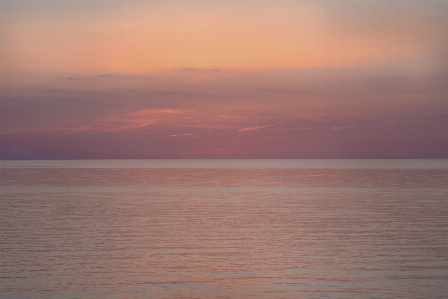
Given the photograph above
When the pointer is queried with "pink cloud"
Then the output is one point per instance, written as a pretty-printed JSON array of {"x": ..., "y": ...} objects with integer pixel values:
[
  {"x": 248, "y": 129},
  {"x": 160, "y": 111},
  {"x": 136, "y": 125},
  {"x": 226, "y": 116},
  {"x": 340, "y": 128},
  {"x": 142, "y": 118}
]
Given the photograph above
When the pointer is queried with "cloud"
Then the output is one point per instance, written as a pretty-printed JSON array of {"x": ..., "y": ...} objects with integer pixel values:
[
  {"x": 188, "y": 69},
  {"x": 142, "y": 118},
  {"x": 82, "y": 129},
  {"x": 160, "y": 111},
  {"x": 254, "y": 128},
  {"x": 340, "y": 128},
  {"x": 227, "y": 116},
  {"x": 136, "y": 125},
  {"x": 193, "y": 69},
  {"x": 130, "y": 121}
]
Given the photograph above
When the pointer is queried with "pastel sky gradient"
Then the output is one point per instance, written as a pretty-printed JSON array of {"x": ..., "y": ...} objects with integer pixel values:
[{"x": 223, "y": 79}]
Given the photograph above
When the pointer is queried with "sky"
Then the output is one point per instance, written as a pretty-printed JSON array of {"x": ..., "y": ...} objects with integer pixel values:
[{"x": 223, "y": 79}]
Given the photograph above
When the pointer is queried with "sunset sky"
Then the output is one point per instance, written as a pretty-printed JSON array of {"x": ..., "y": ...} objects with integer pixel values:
[{"x": 223, "y": 79}]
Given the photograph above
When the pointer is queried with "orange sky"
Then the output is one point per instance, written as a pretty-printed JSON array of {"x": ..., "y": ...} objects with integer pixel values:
[
  {"x": 149, "y": 79},
  {"x": 140, "y": 37}
]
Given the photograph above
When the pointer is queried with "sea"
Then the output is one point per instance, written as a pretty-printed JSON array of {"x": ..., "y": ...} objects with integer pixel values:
[{"x": 224, "y": 229}]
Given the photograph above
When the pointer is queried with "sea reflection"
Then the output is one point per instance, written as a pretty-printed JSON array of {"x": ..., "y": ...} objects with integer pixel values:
[{"x": 223, "y": 233}]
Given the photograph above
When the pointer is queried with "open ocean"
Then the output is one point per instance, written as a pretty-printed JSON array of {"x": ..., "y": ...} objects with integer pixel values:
[{"x": 224, "y": 229}]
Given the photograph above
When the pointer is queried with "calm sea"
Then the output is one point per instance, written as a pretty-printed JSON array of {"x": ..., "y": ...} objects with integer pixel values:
[{"x": 224, "y": 229}]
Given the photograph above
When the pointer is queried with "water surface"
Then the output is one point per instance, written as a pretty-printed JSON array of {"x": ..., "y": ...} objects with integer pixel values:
[{"x": 224, "y": 229}]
